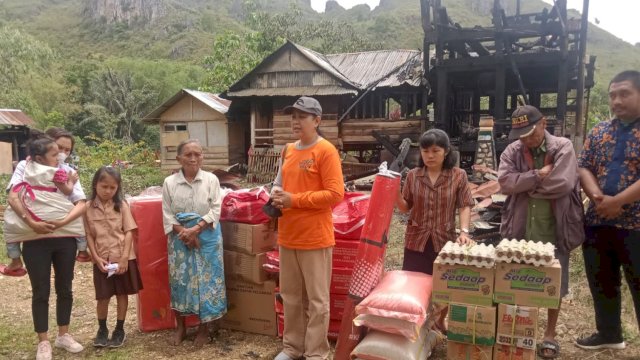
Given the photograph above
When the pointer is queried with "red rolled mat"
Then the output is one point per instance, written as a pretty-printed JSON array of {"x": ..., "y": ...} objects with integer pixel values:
[
  {"x": 370, "y": 259},
  {"x": 154, "y": 301}
]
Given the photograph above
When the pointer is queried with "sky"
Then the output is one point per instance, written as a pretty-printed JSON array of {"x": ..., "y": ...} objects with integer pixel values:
[{"x": 618, "y": 17}]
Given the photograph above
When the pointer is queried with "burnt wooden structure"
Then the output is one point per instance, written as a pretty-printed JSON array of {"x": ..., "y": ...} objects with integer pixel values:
[
  {"x": 522, "y": 58},
  {"x": 364, "y": 95}
]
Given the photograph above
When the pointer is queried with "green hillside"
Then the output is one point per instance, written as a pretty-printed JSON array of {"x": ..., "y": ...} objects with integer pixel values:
[{"x": 166, "y": 50}]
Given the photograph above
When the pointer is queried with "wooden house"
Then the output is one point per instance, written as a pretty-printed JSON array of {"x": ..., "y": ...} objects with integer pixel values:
[
  {"x": 191, "y": 114},
  {"x": 14, "y": 133},
  {"x": 363, "y": 95}
]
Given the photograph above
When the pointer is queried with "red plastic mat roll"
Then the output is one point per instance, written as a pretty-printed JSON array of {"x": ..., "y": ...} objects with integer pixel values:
[
  {"x": 154, "y": 301},
  {"x": 370, "y": 259}
]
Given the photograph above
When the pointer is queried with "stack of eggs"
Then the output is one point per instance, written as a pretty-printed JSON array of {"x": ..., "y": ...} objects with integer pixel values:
[
  {"x": 525, "y": 252},
  {"x": 478, "y": 255}
]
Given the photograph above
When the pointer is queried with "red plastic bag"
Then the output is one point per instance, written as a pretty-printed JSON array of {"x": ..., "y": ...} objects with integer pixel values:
[
  {"x": 349, "y": 215},
  {"x": 245, "y": 206}
]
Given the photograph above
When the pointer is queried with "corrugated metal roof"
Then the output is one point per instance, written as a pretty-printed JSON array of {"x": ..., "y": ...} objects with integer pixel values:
[
  {"x": 211, "y": 100},
  {"x": 366, "y": 68},
  {"x": 15, "y": 117},
  {"x": 357, "y": 71},
  {"x": 410, "y": 74},
  {"x": 294, "y": 91},
  {"x": 324, "y": 63}
]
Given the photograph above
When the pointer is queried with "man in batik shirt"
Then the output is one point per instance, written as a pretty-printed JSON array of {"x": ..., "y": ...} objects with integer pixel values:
[{"x": 610, "y": 176}]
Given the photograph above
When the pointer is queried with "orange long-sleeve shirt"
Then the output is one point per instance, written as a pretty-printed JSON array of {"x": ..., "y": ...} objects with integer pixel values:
[{"x": 314, "y": 178}]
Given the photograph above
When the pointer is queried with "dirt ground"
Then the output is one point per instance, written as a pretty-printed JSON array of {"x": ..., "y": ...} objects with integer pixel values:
[{"x": 17, "y": 340}]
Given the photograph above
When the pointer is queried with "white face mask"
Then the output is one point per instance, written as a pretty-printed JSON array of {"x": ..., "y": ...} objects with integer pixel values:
[{"x": 61, "y": 158}]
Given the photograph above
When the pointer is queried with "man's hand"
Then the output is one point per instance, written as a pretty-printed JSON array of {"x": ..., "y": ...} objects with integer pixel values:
[
  {"x": 608, "y": 207},
  {"x": 545, "y": 171}
]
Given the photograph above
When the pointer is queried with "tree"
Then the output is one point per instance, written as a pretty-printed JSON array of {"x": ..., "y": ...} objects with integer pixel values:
[
  {"x": 234, "y": 55},
  {"x": 21, "y": 53},
  {"x": 598, "y": 107},
  {"x": 117, "y": 106}
]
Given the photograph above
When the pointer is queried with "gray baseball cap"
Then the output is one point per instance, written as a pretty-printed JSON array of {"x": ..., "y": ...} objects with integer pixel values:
[{"x": 306, "y": 104}]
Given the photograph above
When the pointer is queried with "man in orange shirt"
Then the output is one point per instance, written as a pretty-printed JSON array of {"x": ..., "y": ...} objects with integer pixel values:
[{"x": 308, "y": 184}]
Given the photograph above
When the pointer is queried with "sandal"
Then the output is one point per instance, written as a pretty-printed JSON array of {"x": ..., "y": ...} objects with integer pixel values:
[
  {"x": 546, "y": 346},
  {"x": 4, "y": 270},
  {"x": 83, "y": 258}
]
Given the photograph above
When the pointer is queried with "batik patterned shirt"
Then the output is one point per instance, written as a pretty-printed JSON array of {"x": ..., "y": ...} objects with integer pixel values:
[{"x": 612, "y": 153}]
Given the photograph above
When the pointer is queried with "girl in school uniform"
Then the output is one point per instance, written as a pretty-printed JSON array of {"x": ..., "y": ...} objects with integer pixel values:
[{"x": 110, "y": 226}]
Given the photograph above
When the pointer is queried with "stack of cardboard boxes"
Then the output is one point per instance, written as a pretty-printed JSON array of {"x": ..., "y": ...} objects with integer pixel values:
[
  {"x": 472, "y": 316},
  {"x": 520, "y": 289},
  {"x": 249, "y": 288},
  {"x": 493, "y": 312}
]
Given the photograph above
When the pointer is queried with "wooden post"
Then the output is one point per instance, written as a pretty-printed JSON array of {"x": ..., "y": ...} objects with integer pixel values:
[
  {"x": 582, "y": 53},
  {"x": 442, "y": 106},
  {"x": 253, "y": 124},
  {"x": 501, "y": 75},
  {"x": 563, "y": 67}
]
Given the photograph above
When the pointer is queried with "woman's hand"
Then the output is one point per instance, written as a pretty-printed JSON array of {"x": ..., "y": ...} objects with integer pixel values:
[
  {"x": 281, "y": 199},
  {"x": 189, "y": 236},
  {"x": 464, "y": 239},
  {"x": 100, "y": 262},
  {"x": 73, "y": 177},
  {"x": 123, "y": 265},
  {"x": 41, "y": 227},
  {"x": 57, "y": 223}
]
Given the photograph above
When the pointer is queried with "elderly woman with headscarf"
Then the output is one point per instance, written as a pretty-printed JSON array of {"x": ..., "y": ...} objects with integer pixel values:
[{"x": 191, "y": 203}]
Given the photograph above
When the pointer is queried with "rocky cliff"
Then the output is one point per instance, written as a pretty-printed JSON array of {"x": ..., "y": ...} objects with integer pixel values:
[{"x": 126, "y": 11}]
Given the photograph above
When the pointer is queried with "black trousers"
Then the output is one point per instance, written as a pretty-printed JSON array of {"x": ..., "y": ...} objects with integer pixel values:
[
  {"x": 38, "y": 256},
  {"x": 605, "y": 250}
]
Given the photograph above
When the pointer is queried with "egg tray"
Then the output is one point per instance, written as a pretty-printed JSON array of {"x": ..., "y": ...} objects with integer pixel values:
[
  {"x": 525, "y": 252},
  {"x": 478, "y": 255}
]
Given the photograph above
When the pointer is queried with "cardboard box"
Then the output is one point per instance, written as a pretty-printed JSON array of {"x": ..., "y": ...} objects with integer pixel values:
[
  {"x": 340, "y": 280},
  {"x": 461, "y": 351},
  {"x": 505, "y": 352},
  {"x": 248, "y": 238},
  {"x": 250, "y": 308},
  {"x": 239, "y": 266},
  {"x": 472, "y": 324},
  {"x": 528, "y": 285},
  {"x": 517, "y": 325},
  {"x": 462, "y": 284},
  {"x": 344, "y": 253}
]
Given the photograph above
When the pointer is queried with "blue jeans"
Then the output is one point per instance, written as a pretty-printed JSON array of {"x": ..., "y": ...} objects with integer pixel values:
[{"x": 14, "y": 252}]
